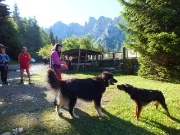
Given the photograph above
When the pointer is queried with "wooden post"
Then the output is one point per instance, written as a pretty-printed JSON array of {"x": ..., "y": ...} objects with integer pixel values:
[
  {"x": 85, "y": 61},
  {"x": 124, "y": 52},
  {"x": 92, "y": 61},
  {"x": 113, "y": 55},
  {"x": 79, "y": 56},
  {"x": 68, "y": 61}
]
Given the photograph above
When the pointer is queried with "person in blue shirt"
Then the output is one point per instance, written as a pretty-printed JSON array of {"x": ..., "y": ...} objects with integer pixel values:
[{"x": 4, "y": 60}]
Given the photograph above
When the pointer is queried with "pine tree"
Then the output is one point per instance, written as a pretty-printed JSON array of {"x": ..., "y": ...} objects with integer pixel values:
[
  {"x": 4, "y": 14},
  {"x": 153, "y": 30},
  {"x": 16, "y": 15},
  {"x": 51, "y": 36}
]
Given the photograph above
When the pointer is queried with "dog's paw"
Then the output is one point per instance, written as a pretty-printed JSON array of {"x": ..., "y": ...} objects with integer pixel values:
[
  {"x": 76, "y": 117},
  {"x": 102, "y": 115},
  {"x": 56, "y": 110},
  {"x": 60, "y": 112},
  {"x": 136, "y": 118},
  {"x": 102, "y": 106}
]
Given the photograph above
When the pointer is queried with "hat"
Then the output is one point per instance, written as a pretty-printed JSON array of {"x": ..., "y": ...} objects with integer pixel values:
[{"x": 2, "y": 46}]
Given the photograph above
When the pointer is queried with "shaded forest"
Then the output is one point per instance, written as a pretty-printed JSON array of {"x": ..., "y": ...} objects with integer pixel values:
[{"x": 17, "y": 32}]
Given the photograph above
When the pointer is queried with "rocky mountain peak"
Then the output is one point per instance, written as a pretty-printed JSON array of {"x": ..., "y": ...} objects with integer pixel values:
[{"x": 103, "y": 29}]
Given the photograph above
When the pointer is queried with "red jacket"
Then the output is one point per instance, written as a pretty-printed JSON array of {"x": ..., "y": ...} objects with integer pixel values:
[{"x": 24, "y": 59}]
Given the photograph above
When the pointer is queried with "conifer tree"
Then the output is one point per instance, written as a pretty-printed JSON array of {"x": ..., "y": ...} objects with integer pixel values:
[
  {"x": 52, "y": 38},
  {"x": 16, "y": 15},
  {"x": 153, "y": 30},
  {"x": 4, "y": 14}
]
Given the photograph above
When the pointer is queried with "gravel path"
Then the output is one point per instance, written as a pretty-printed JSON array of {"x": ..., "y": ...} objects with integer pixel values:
[
  {"x": 22, "y": 98},
  {"x": 27, "y": 99}
]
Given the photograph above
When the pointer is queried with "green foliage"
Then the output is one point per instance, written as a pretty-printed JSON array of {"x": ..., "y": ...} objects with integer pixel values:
[
  {"x": 83, "y": 42},
  {"x": 71, "y": 43},
  {"x": 17, "y": 32},
  {"x": 11, "y": 33},
  {"x": 44, "y": 37},
  {"x": 152, "y": 29},
  {"x": 74, "y": 42},
  {"x": 4, "y": 12},
  {"x": 86, "y": 42},
  {"x": 45, "y": 51},
  {"x": 52, "y": 38}
]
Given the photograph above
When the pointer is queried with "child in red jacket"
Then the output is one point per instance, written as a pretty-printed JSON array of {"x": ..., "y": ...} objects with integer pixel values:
[{"x": 24, "y": 59}]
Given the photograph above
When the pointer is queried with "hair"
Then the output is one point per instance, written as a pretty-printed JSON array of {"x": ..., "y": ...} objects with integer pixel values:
[{"x": 55, "y": 48}]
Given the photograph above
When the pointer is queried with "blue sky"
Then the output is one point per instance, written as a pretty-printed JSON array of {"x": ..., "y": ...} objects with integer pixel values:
[{"x": 47, "y": 12}]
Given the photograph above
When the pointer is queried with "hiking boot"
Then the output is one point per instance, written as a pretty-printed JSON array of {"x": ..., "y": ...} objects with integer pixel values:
[
  {"x": 30, "y": 82},
  {"x": 5, "y": 83},
  {"x": 21, "y": 82}
]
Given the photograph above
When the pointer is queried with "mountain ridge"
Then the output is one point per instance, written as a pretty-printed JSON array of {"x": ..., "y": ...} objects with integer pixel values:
[{"x": 103, "y": 29}]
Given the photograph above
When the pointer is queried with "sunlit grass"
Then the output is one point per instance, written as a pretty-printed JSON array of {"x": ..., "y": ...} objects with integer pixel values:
[{"x": 118, "y": 108}]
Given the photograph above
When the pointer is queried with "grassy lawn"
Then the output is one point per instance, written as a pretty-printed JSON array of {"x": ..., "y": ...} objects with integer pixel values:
[{"x": 118, "y": 108}]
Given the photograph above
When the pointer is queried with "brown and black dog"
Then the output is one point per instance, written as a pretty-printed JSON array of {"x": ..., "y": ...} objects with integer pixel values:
[
  {"x": 90, "y": 89},
  {"x": 142, "y": 97}
]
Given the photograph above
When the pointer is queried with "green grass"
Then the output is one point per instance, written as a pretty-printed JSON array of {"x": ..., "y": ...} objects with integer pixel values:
[
  {"x": 12, "y": 61},
  {"x": 118, "y": 108}
]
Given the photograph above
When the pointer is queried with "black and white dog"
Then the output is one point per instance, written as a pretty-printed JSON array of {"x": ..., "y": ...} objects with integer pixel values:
[{"x": 91, "y": 89}]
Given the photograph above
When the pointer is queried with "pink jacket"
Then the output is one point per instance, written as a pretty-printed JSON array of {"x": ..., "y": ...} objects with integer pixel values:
[{"x": 54, "y": 59}]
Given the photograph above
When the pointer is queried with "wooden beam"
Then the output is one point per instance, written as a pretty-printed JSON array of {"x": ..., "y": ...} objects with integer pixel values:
[
  {"x": 79, "y": 56},
  {"x": 85, "y": 60}
]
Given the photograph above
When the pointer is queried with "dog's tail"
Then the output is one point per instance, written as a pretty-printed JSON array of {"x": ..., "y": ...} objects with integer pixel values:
[{"x": 53, "y": 80}]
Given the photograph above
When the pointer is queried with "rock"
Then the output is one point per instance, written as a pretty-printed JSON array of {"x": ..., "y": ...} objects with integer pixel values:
[
  {"x": 21, "y": 130},
  {"x": 6, "y": 133},
  {"x": 3, "y": 112},
  {"x": 17, "y": 131}
]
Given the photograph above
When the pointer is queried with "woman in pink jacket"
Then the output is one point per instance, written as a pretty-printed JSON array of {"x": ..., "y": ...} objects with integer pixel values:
[{"x": 55, "y": 61}]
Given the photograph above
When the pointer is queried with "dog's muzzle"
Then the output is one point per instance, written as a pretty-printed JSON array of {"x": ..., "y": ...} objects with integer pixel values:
[{"x": 112, "y": 81}]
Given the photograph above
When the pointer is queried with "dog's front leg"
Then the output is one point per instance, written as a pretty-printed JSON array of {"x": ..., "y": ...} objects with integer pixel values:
[
  {"x": 71, "y": 107},
  {"x": 97, "y": 104},
  {"x": 138, "y": 109},
  {"x": 58, "y": 106},
  {"x": 156, "y": 103},
  {"x": 163, "y": 104},
  {"x": 60, "y": 102}
]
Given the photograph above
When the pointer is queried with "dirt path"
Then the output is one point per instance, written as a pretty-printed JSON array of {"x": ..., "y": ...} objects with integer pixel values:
[
  {"x": 19, "y": 98},
  {"x": 14, "y": 74},
  {"x": 24, "y": 98}
]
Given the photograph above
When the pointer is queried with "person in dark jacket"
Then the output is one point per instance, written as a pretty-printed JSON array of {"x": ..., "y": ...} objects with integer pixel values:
[{"x": 4, "y": 60}]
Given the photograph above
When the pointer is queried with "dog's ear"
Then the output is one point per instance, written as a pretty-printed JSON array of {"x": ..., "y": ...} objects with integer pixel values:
[{"x": 106, "y": 76}]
